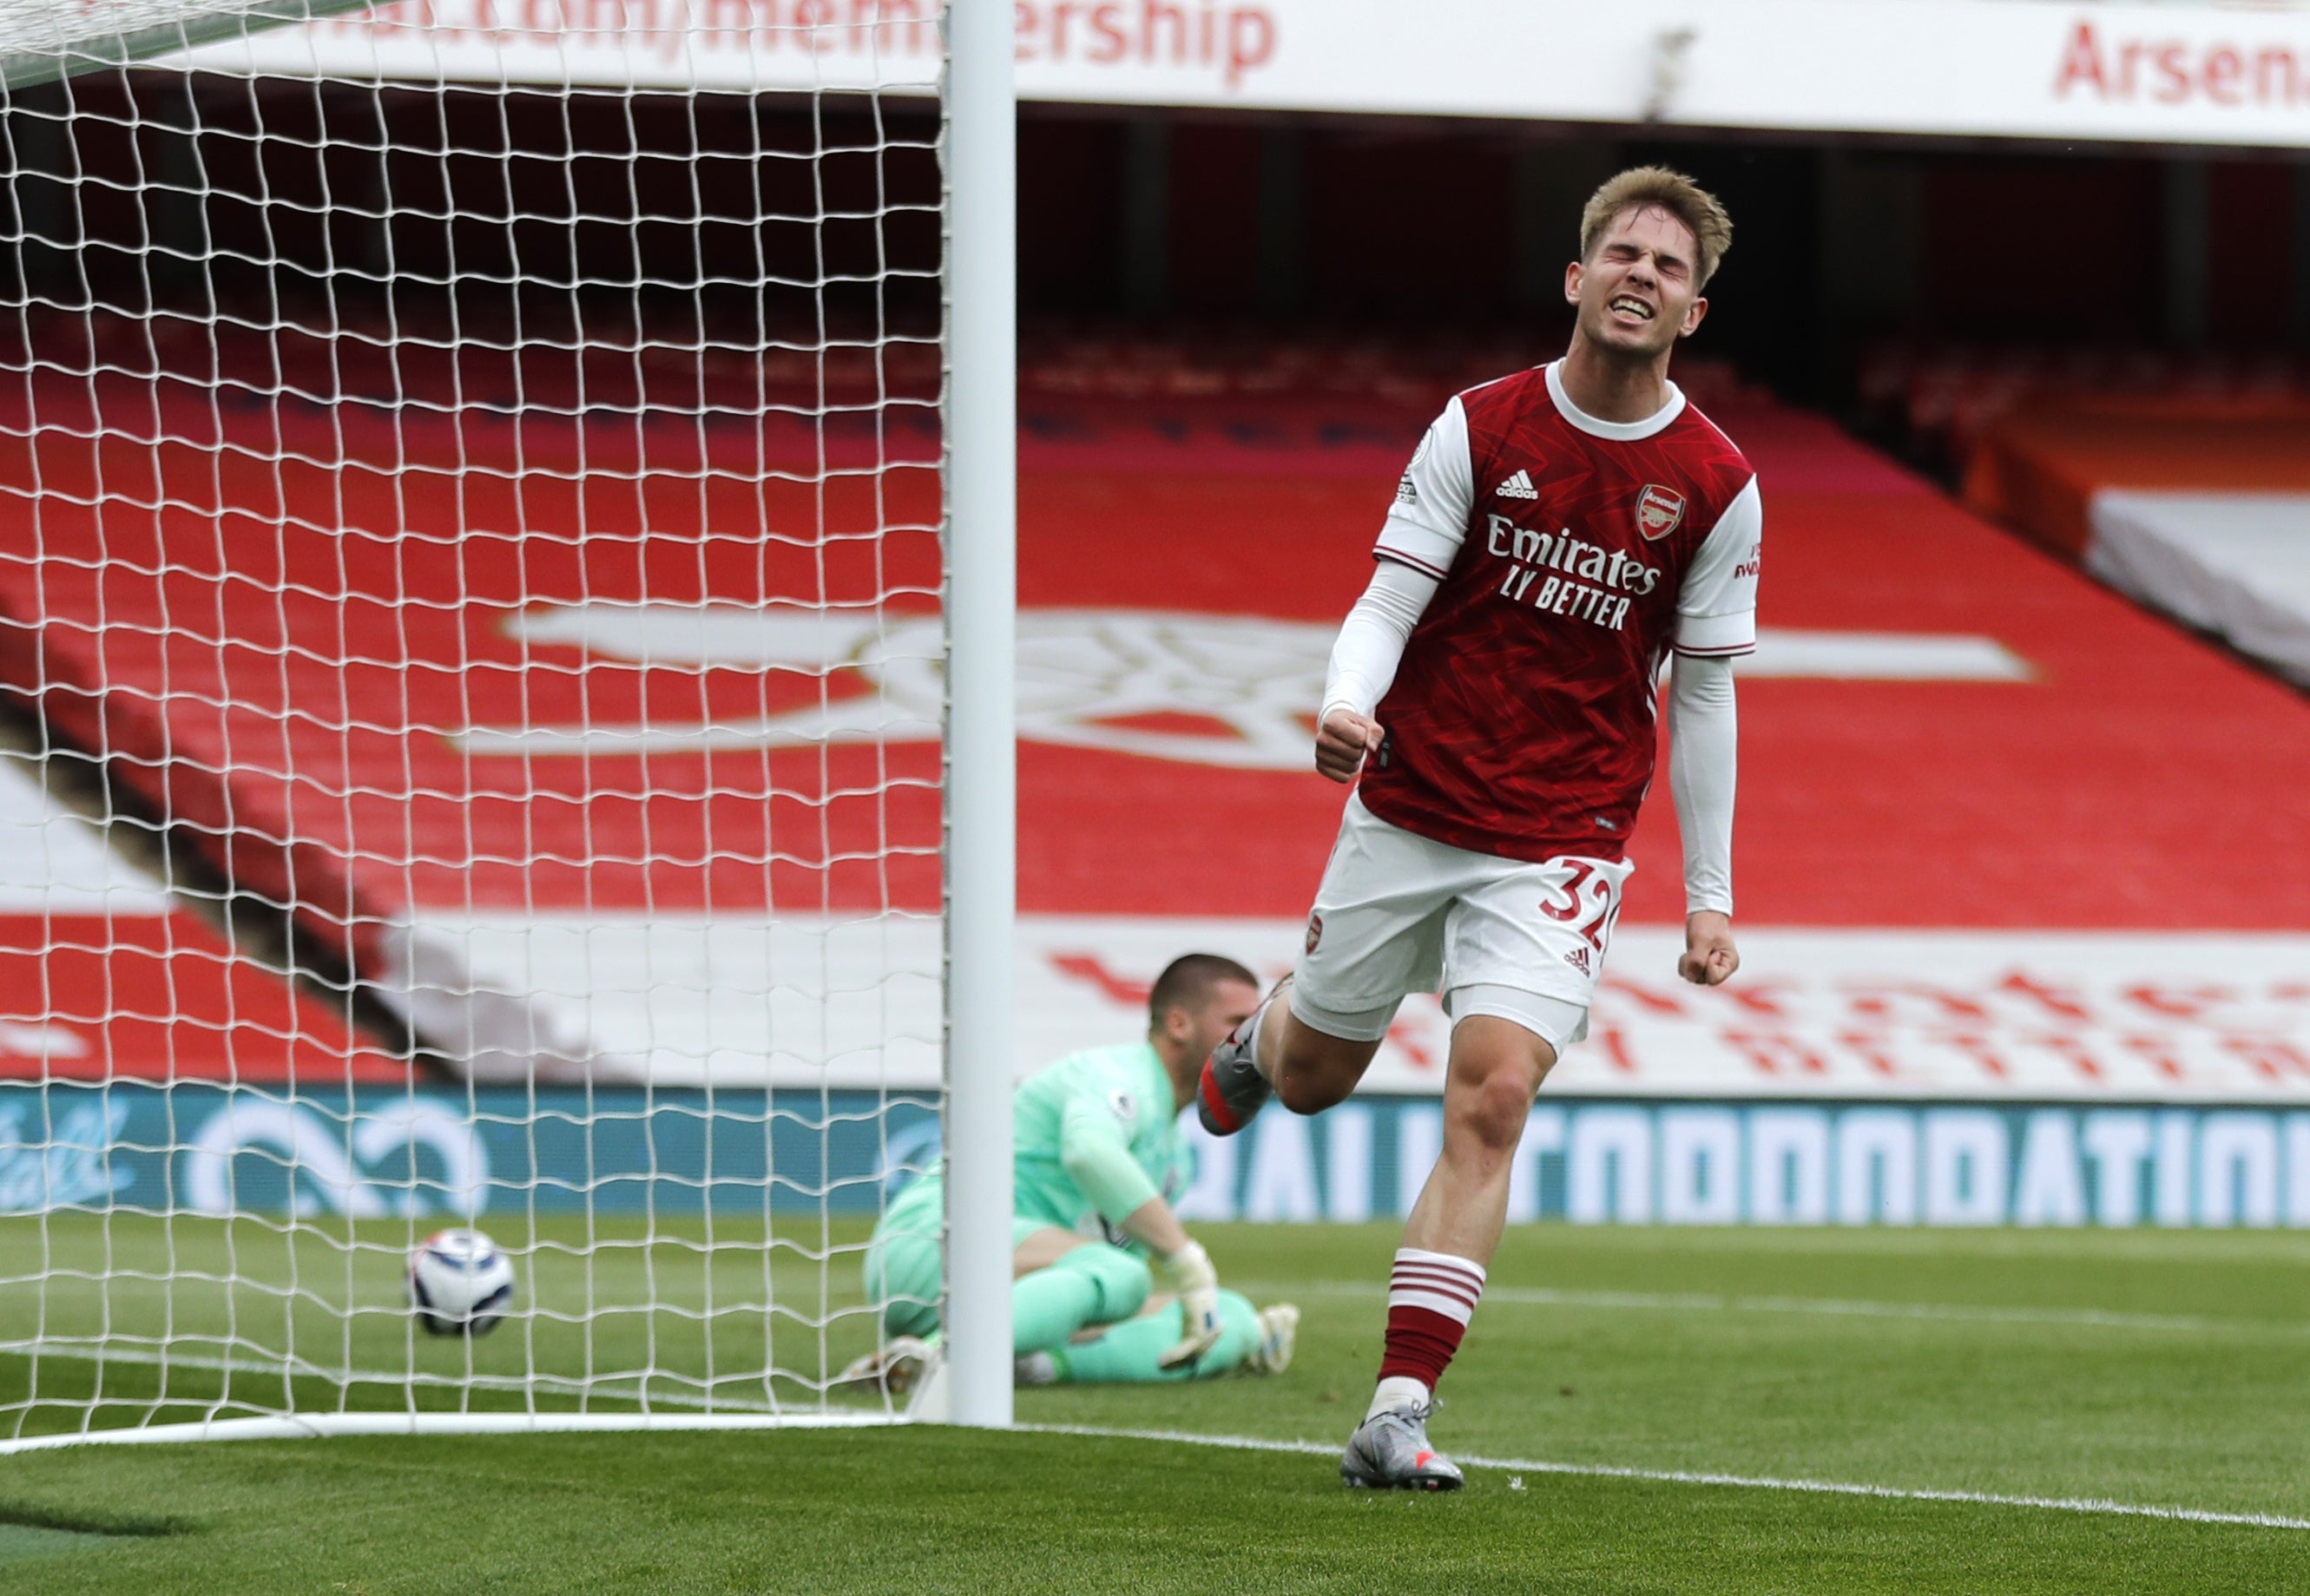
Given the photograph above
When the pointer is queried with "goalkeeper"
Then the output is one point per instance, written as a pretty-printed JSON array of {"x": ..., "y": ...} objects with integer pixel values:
[{"x": 1106, "y": 1284}]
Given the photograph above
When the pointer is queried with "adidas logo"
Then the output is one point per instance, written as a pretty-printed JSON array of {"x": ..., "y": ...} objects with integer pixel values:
[
  {"x": 1518, "y": 486},
  {"x": 1578, "y": 959}
]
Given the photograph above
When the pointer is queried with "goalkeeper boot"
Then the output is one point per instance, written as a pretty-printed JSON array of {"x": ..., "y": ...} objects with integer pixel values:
[
  {"x": 1279, "y": 1334},
  {"x": 1390, "y": 1452},
  {"x": 1232, "y": 1089},
  {"x": 894, "y": 1370}
]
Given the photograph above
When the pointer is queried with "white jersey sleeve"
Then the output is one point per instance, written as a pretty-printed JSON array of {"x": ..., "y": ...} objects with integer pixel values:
[
  {"x": 1703, "y": 770},
  {"x": 1371, "y": 640},
  {"x": 1717, "y": 608},
  {"x": 1429, "y": 517}
]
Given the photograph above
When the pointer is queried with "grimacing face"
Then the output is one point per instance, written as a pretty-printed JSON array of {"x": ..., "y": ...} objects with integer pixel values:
[{"x": 1638, "y": 290}]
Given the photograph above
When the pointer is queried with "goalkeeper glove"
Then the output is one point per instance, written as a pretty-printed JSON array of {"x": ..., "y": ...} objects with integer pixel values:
[{"x": 1188, "y": 1274}]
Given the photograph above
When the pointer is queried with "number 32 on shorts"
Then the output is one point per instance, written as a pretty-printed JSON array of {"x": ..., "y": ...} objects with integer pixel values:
[{"x": 1584, "y": 898}]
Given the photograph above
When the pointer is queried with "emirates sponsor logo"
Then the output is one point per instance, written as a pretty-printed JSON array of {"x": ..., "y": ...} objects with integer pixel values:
[
  {"x": 1590, "y": 563},
  {"x": 1592, "y": 581},
  {"x": 1659, "y": 511}
]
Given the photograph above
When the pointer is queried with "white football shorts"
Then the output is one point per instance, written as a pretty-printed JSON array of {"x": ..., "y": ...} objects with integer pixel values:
[{"x": 1398, "y": 914}]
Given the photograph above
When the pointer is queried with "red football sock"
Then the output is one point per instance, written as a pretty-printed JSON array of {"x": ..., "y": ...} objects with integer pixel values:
[{"x": 1430, "y": 1298}]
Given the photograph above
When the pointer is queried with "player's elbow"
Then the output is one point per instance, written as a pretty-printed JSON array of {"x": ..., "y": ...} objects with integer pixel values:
[
  {"x": 1077, "y": 1161},
  {"x": 1700, "y": 681}
]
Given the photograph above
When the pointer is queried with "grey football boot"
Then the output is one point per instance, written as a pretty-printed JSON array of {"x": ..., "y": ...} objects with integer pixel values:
[
  {"x": 1390, "y": 1452},
  {"x": 1232, "y": 1089}
]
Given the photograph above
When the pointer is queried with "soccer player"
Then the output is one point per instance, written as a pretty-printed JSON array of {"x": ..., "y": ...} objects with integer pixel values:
[
  {"x": 1557, "y": 535},
  {"x": 1098, "y": 1155}
]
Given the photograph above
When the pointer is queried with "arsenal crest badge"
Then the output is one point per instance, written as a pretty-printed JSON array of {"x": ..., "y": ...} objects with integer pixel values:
[
  {"x": 1659, "y": 511},
  {"x": 1314, "y": 931}
]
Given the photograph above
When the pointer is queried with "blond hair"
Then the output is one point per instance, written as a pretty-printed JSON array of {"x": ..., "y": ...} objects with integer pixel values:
[{"x": 1672, "y": 192}]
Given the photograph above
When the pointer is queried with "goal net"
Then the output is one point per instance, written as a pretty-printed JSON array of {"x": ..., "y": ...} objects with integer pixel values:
[{"x": 473, "y": 670}]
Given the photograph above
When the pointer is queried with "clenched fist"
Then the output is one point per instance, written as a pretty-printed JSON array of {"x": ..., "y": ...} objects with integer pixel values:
[
  {"x": 1342, "y": 740},
  {"x": 1709, "y": 956}
]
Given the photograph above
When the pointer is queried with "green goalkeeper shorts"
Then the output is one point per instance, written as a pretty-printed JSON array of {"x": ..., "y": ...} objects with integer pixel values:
[{"x": 906, "y": 1265}]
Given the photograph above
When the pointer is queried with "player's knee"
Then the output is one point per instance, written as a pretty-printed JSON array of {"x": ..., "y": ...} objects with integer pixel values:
[
  {"x": 905, "y": 1316},
  {"x": 1493, "y": 1107},
  {"x": 1122, "y": 1281}
]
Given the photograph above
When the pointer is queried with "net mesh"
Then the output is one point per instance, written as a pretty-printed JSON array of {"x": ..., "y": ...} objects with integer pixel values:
[{"x": 470, "y": 700}]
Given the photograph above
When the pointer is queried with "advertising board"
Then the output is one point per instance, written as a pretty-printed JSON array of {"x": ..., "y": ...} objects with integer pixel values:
[
  {"x": 2040, "y": 69},
  {"x": 384, "y": 1154}
]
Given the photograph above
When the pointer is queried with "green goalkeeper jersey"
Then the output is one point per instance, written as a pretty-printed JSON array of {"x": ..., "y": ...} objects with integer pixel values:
[{"x": 1096, "y": 1135}]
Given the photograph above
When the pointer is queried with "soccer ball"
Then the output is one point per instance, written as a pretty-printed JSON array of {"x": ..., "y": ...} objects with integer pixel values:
[{"x": 460, "y": 1283}]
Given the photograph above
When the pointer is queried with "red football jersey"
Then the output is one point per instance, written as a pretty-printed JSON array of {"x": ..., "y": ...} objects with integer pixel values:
[{"x": 1572, "y": 555}]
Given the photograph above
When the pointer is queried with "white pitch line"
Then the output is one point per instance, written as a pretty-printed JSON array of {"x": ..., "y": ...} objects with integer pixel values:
[
  {"x": 300, "y": 1369},
  {"x": 1704, "y": 1302},
  {"x": 1824, "y": 1487}
]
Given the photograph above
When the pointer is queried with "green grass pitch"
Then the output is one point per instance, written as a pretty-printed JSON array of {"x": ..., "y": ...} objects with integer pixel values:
[{"x": 2156, "y": 1369}]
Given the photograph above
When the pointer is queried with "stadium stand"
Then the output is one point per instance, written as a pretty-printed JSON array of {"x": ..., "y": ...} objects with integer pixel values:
[
  {"x": 2178, "y": 477},
  {"x": 434, "y": 761},
  {"x": 319, "y": 712},
  {"x": 2197, "y": 505},
  {"x": 104, "y": 977},
  {"x": 1940, "y": 399}
]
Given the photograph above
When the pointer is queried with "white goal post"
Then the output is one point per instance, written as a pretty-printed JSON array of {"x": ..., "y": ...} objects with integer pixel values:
[{"x": 507, "y": 591}]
